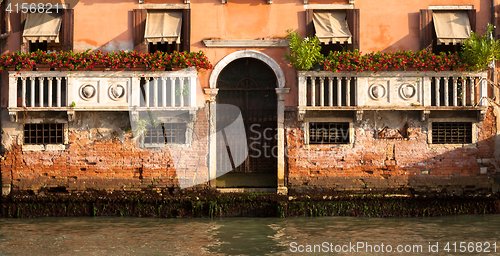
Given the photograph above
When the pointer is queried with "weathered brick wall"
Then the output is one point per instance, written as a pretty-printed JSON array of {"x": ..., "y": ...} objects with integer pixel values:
[
  {"x": 102, "y": 154},
  {"x": 374, "y": 162},
  {"x": 102, "y": 157}
]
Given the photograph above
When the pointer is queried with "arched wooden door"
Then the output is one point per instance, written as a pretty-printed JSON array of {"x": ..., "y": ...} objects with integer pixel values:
[{"x": 250, "y": 84}]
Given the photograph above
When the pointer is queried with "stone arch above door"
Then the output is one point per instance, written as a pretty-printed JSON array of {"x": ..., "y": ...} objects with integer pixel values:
[{"x": 247, "y": 54}]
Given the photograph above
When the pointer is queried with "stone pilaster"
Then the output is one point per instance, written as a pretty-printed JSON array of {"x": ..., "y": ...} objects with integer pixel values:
[
  {"x": 212, "y": 168},
  {"x": 281, "y": 92}
]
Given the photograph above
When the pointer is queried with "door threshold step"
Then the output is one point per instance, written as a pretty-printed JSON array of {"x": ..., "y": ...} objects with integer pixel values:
[{"x": 247, "y": 190}]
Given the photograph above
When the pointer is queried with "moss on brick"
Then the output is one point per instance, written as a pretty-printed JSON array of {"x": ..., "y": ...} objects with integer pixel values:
[{"x": 208, "y": 203}]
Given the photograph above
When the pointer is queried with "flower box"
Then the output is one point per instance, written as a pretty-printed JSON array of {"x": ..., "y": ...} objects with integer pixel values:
[
  {"x": 410, "y": 69},
  {"x": 104, "y": 61},
  {"x": 394, "y": 69},
  {"x": 390, "y": 61},
  {"x": 98, "y": 68},
  {"x": 137, "y": 69},
  {"x": 83, "y": 69},
  {"x": 42, "y": 67}
]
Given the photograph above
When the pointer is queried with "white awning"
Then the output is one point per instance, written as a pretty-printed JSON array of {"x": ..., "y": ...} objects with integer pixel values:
[
  {"x": 451, "y": 27},
  {"x": 42, "y": 27},
  {"x": 164, "y": 27},
  {"x": 331, "y": 27}
]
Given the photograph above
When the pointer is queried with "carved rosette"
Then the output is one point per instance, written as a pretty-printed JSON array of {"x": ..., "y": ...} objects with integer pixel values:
[
  {"x": 377, "y": 91},
  {"x": 116, "y": 91},
  {"x": 87, "y": 92},
  {"x": 407, "y": 91}
]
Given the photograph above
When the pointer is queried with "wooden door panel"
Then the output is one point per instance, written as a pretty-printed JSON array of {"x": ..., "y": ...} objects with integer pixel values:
[{"x": 250, "y": 85}]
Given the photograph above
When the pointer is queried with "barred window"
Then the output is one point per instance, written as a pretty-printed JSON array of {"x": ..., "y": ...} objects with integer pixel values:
[
  {"x": 44, "y": 133},
  {"x": 166, "y": 133},
  {"x": 329, "y": 133},
  {"x": 451, "y": 132}
]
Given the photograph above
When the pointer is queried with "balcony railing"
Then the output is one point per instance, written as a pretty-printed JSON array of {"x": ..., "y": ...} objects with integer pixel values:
[
  {"x": 391, "y": 90},
  {"x": 97, "y": 90}
]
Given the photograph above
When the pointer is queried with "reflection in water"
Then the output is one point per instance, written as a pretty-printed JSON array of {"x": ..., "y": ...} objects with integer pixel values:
[
  {"x": 247, "y": 236},
  {"x": 239, "y": 236}
]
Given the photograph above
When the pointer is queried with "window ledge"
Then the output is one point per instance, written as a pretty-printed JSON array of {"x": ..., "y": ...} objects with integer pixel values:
[
  {"x": 161, "y": 147},
  {"x": 350, "y": 2},
  {"x": 246, "y": 43},
  {"x": 185, "y": 5},
  {"x": 48, "y": 147},
  {"x": 451, "y": 7},
  {"x": 453, "y": 146},
  {"x": 328, "y": 146},
  {"x": 329, "y": 6}
]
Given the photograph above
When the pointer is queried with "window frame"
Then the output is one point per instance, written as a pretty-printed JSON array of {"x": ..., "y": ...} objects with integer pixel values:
[
  {"x": 47, "y": 146},
  {"x": 352, "y": 16},
  {"x": 427, "y": 32},
  {"x": 65, "y": 33},
  {"x": 306, "y": 127},
  {"x": 139, "y": 25},
  {"x": 171, "y": 120},
  {"x": 473, "y": 144}
]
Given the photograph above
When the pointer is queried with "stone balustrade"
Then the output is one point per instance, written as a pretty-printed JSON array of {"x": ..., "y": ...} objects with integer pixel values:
[
  {"x": 100, "y": 90},
  {"x": 391, "y": 90}
]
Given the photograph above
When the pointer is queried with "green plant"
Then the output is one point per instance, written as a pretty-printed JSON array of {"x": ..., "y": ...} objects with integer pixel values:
[
  {"x": 73, "y": 104},
  {"x": 185, "y": 90},
  {"x": 141, "y": 126},
  {"x": 479, "y": 51},
  {"x": 304, "y": 52}
]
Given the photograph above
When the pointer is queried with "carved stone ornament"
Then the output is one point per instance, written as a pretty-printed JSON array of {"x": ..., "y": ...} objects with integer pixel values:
[
  {"x": 116, "y": 91},
  {"x": 359, "y": 115},
  {"x": 87, "y": 92},
  {"x": 407, "y": 91},
  {"x": 377, "y": 91},
  {"x": 424, "y": 115}
]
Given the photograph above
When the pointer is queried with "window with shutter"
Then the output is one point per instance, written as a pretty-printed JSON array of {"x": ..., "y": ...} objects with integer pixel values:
[
  {"x": 444, "y": 30},
  {"x": 161, "y": 30},
  {"x": 47, "y": 32},
  {"x": 338, "y": 29}
]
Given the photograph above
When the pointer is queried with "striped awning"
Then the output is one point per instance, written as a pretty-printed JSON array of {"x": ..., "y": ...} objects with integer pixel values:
[
  {"x": 331, "y": 27},
  {"x": 451, "y": 27},
  {"x": 163, "y": 26},
  {"x": 42, "y": 27}
]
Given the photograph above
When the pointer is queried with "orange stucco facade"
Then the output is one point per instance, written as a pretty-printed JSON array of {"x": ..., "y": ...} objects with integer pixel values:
[
  {"x": 385, "y": 25},
  {"x": 388, "y": 143}
]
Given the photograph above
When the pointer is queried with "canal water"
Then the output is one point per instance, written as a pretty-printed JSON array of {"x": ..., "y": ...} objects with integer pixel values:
[{"x": 455, "y": 235}]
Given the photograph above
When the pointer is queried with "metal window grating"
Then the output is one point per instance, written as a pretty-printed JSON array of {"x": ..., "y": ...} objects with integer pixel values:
[
  {"x": 166, "y": 133},
  {"x": 329, "y": 133},
  {"x": 44, "y": 133},
  {"x": 451, "y": 132}
]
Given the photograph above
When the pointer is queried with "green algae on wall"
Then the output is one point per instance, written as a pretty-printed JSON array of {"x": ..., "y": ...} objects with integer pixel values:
[{"x": 207, "y": 203}]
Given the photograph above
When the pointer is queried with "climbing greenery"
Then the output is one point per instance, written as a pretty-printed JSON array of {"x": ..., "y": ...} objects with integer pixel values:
[
  {"x": 142, "y": 124},
  {"x": 479, "y": 51},
  {"x": 304, "y": 52}
]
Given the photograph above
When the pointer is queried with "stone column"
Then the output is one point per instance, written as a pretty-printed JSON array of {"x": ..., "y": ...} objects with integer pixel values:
[
  {"x": 212, "y": 144},
  {"x": 281, "y": 92}
]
